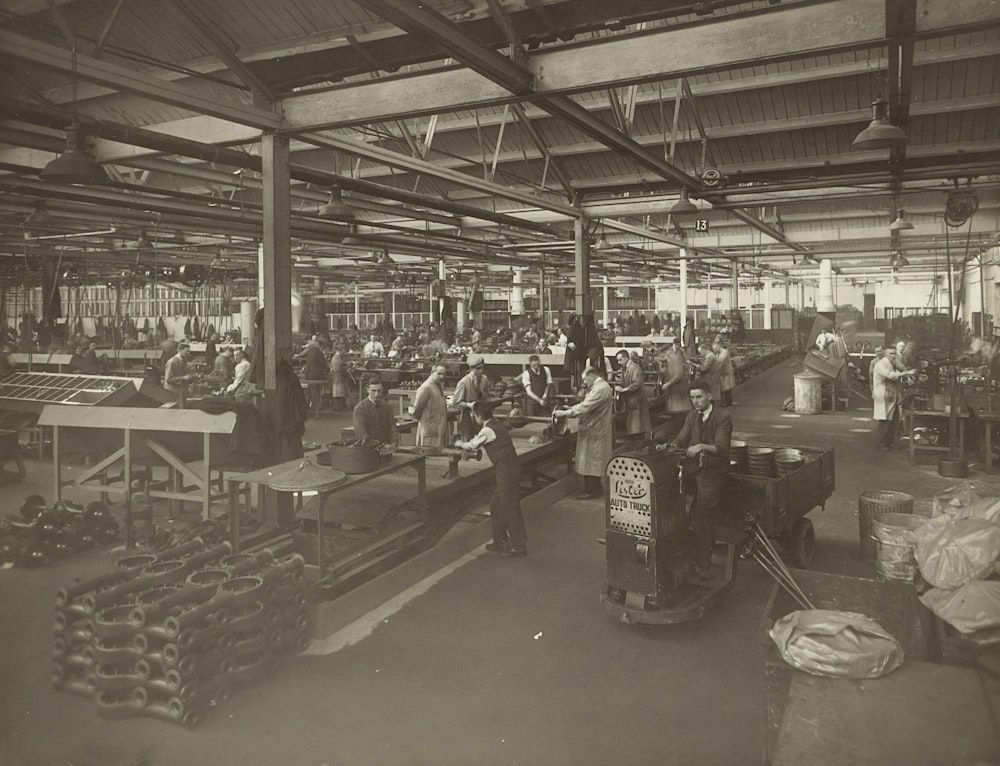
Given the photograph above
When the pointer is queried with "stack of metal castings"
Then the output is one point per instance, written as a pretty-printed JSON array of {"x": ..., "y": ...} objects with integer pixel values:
[
  {"x": 168, "y": 634},
  {"x": 40, "y": 533}
]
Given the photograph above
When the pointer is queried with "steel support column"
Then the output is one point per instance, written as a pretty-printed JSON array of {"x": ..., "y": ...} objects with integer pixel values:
[
  {"x": 277, "y": 330},
  {"x": 582, "y": 303}
]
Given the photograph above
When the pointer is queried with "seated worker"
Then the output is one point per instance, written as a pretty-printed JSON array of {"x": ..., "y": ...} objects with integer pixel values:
[
  {"x": 374, "y": 420},
  {"x": 705, "y": 438},
  {"x": 509, "y": 538},
  {"x": 538, "y": 386},
  {"x": 242, "y": 386}
]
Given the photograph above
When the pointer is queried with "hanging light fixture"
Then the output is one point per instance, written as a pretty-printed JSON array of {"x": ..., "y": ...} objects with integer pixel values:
[
  {"x": 898, "y": 260},
  {"x": 75, "y": 165},
  {"x": 602, "y": 243},
  {"x": 900, "y": 224},
  {"x": 880, "y": 133},
  {"x": 683, "y": 205},
  {"x": 335, "y": 208},
  {"x": 39, "y": 217},
  {"x": 142, "y": 246}
]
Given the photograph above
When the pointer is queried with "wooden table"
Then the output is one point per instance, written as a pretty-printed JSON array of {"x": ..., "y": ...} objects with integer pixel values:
[
  {"x": 149, "y": 436},
  {"x": 910, "y": 418},
  {"x": 921, "y": 715}
]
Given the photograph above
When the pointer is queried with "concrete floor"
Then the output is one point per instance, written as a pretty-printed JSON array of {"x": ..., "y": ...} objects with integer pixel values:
[{"x": 487, "y": 661}]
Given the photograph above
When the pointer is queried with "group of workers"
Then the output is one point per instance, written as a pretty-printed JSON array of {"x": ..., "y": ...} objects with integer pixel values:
[{"x": 703, "y": 433}]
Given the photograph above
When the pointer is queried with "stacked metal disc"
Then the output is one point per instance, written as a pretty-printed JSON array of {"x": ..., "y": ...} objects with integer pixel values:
[
  {"x": 760, "y": 462},
  {"x": 738, "y": 462},
  {"x": 787, "y": 460}
]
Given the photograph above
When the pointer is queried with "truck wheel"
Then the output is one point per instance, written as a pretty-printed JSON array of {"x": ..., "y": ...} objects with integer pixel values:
[{"x": 800, "y": 543}]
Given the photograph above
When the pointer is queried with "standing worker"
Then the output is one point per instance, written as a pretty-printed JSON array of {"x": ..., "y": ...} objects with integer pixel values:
[
  {"x": 430, "y": 408},
  {"x": 727, "y": 376},
  {"x": 709, "y": 371},
  {"x": 373, "y": 348},
  {"x": 674, "y": 387},
  {"x": 509, "y": 537},
  {"x": 373, "y": 417},
  {"x": 633, "y": 392},
  {"x": 687, "y": 338},
  {"x": 474, "y": 387},
  {"x": 886, "y": 396},
  {"x": 593, "y": 440},
  {"x": 538, "y": 386},
  {"x": 176, "y": 377},
  {"x": 705, "y": 438}
]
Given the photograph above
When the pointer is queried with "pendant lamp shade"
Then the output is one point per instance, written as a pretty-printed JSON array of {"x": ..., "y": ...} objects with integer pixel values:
[
  {"x": 899, "y": 260},
  {"x": 880, "y": 133},
  {"x": 335, "y": 208},
  {"x": 683, "y": 205},
  {"x": 900, "y": 224},
  {"x": 75, "y": 165}
]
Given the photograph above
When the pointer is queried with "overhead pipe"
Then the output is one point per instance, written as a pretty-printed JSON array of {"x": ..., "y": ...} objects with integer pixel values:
[{"x": 112, "y": 131}]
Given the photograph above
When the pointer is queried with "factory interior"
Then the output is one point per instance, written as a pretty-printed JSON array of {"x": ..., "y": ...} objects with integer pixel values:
[{"x": 499, "y": 382}]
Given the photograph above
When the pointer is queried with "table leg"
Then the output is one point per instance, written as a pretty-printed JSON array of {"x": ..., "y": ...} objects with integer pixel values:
[
  {"x": 320, "y": 521},
  {"x": 206, "y": 501},
  {"x": 988, "y": 438},
  {"x": 422, "y": 477},
  {"x": 56, "y": 464},
  {"x": 909, "y": 430},
  {"x": 234, "y": 515}
]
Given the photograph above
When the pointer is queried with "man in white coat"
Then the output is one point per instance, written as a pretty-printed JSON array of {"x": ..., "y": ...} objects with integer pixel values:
[
  {"x": 430, "y": 408},
  {"x": 593, "y": 440},
  {"x": 886, "y": 395}
]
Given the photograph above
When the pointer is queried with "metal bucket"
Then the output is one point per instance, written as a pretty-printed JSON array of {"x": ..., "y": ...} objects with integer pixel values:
[
  {"x": 895, "y": 540},
  {"x": 873, "y": 503},
  {"x": 354, "y": 459},
  {"x": 808, "y": 393}
]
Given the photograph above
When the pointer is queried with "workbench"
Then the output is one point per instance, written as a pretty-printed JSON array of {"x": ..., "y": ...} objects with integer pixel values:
[
  {"x": 190, "y": 443},
  {"x": 240, "y": 482},
  {"x": 913, "y": 417},
  {"x": 985, "y": 410}
]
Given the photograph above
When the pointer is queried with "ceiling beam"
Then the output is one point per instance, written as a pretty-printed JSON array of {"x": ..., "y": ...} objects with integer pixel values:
[
  {"x": 417, "y": 165},
  {"x": 658, "y": 54},
  {"x": 123, "y": 79},
  {"x": 520, "y": 81},
  {"x": 204, "y": 29}
]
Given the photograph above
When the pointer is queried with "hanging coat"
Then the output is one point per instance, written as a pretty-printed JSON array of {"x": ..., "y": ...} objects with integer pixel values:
[
  {"x": 339, "y": 388},
  {"x": 727, "y": 375},
  {"x": 675, "y": 372},
  {"x": 187, "y": 328},
  {"x": 710, "y": 372},
  {"x": 885, "y": 389},
  {"x": 196, "y": 328},
  {"x": 431, "y": 411},
  {"x": 637, "y": 420},
  {"x": 593, "y": 440}
]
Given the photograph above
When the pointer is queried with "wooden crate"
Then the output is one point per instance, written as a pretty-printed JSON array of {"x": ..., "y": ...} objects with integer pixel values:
[{"x": 894, "y": 605}]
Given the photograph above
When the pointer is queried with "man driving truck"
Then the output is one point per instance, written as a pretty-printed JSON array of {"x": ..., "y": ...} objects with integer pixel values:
[{"x": 705, "y": 440}]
